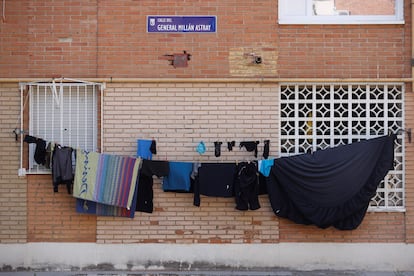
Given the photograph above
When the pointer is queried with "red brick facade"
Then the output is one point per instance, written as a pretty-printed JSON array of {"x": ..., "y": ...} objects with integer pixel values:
[
  {"x": 104, "y": 39},
  {"x": 82, "y": 39}
]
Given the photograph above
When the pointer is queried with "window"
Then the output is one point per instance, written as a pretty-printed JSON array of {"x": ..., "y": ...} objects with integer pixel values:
[
  {"x": 62, "y": 112},
  {"x": 341, "y": 12},
  {"x": 318, "y": 116}
]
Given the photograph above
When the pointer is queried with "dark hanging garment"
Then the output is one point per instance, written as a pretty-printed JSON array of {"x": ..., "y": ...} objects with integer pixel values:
[
  {"x": 49, "y": 152},
  {"x": 266, "y": 149},
  {"x": 250, "y": 146},
  {"x": 40, "y": 151},
  {"x": 153, "y": 147},
  {"x": 145, "y": 193},
  {"x": 331, "y": 187},
  {"x": 62, "y": 170},
  {"x": 214, "y": 179},
  {"x": 246, "y": 186}
]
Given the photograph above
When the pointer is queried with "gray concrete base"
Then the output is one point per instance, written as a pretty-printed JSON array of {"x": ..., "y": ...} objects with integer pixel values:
[
  {"x": 214, "y": 273},
  {"x": 180, "y": 273},
  {"x": 206, "y": 257}
]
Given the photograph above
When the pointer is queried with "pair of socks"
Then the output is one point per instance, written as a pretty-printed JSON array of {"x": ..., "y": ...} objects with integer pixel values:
[
  {"x": 217, "y": 147},
  {"x": 249, "y": 145},
  {"x": 252, "y": 146}
]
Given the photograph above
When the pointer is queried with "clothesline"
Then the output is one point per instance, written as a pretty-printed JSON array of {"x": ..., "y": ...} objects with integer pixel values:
[
  {"x": 148, "y": 147},
  {"x": 330, "y": 187}
]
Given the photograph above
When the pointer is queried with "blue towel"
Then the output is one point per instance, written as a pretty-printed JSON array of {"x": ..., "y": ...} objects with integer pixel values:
[
  {"x": 265, "y": 166},
  {"x": 144, "y": 149},
  {"x": 178, "y": 178}
]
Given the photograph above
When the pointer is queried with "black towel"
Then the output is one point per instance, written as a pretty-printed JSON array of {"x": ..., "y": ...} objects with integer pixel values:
[{"x": 331, "y": 187}]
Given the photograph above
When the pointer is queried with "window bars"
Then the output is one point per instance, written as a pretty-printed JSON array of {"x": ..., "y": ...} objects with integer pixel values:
[{"x": 62, "y": 111}]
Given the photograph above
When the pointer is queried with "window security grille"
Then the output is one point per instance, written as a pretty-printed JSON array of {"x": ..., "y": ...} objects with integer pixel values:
[
  {"x": 63, "y": 113},
  {"x": 318, "y": 116}
]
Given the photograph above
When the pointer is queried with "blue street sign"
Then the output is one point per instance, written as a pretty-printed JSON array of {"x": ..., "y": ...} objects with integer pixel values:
[{"x": 181, "y": 24}]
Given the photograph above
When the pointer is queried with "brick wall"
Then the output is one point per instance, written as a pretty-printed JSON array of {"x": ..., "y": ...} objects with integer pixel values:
[
  {"x": 82, "y": 39},
  {"x": 329, "y": 51},
  {"x": 409, "y": 170},
  {"x": 13, "y": 207},
  {"x": 376, "y": 227},
  {"x": 179, "y": 116},
  {"x": 367, "y": 7},
  {"x": 48, "y": 38},
  {"x": 51, "y": 217}
]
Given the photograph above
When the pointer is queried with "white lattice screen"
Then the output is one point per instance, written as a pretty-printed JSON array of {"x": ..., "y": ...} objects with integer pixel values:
[{"x": 317, "y": 116}]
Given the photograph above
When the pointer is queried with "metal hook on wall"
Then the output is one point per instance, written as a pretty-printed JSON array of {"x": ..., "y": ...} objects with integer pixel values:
[{"x": 18, "y": 132}]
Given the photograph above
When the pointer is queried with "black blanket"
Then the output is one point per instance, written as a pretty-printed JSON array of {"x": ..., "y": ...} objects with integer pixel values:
[{"x": 331, "y": 187}]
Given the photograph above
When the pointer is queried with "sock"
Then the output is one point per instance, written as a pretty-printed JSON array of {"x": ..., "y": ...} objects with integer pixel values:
[
  {"x": 217, "y": 148},
  {"x": 250, "y": 146},
  {"x": 230, "y": 145},
  {"x": 266, "y": 149},
  {"x": 153, "y": 147}
]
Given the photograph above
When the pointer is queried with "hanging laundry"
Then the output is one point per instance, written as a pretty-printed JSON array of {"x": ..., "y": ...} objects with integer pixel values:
[
  {"x": 250, "y": 146},
  {"x": 217, "y": 148},
  {"x": 93, "y": 208},
  {"x": 246, "y": 186},
  {"x": 331, "y": 187},
  {"x": 230, "y": 145},
  {"x": 144, "y": 149},
  {"x": 194, "y": 172},
  {"x": 89, "y": 207},
  {"x": 104, "y": 178},
  {"x": 153, "y": 147},
  {"x": 85, "y": 206},
  {"x": 62, "y": 169},
  {"x": 49, "y": 152},
  {"x": 40, "y": 150},
  {"x": 178, "y": 178},
  {"x": 265, "y": 166},
  {"x": 262, "y": 184},
  {"x": 266, "y": 149},
  {"x": 201, "y": 148},
  {"x": 214, "y": 179},
  {"x": 145, "y": 193}
]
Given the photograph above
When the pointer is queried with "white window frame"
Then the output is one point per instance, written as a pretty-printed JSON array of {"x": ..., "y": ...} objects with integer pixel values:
[
  {"x": 298, "y": 134},
  {"x": 51, "y": 103},
  {"x": 307, "y": 16}
]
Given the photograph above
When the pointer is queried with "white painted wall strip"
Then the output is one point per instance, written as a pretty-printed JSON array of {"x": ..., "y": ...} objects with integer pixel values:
[{"x": 298, "y": 256}]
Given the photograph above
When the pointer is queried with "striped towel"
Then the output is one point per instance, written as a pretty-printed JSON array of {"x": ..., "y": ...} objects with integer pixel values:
[
  {"x": 106, "y": 179},
  {"x": 98, "y": 209}
]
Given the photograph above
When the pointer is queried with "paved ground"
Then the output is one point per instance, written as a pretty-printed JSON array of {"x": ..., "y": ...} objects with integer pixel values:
[{"x": 211, "y": 273}]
